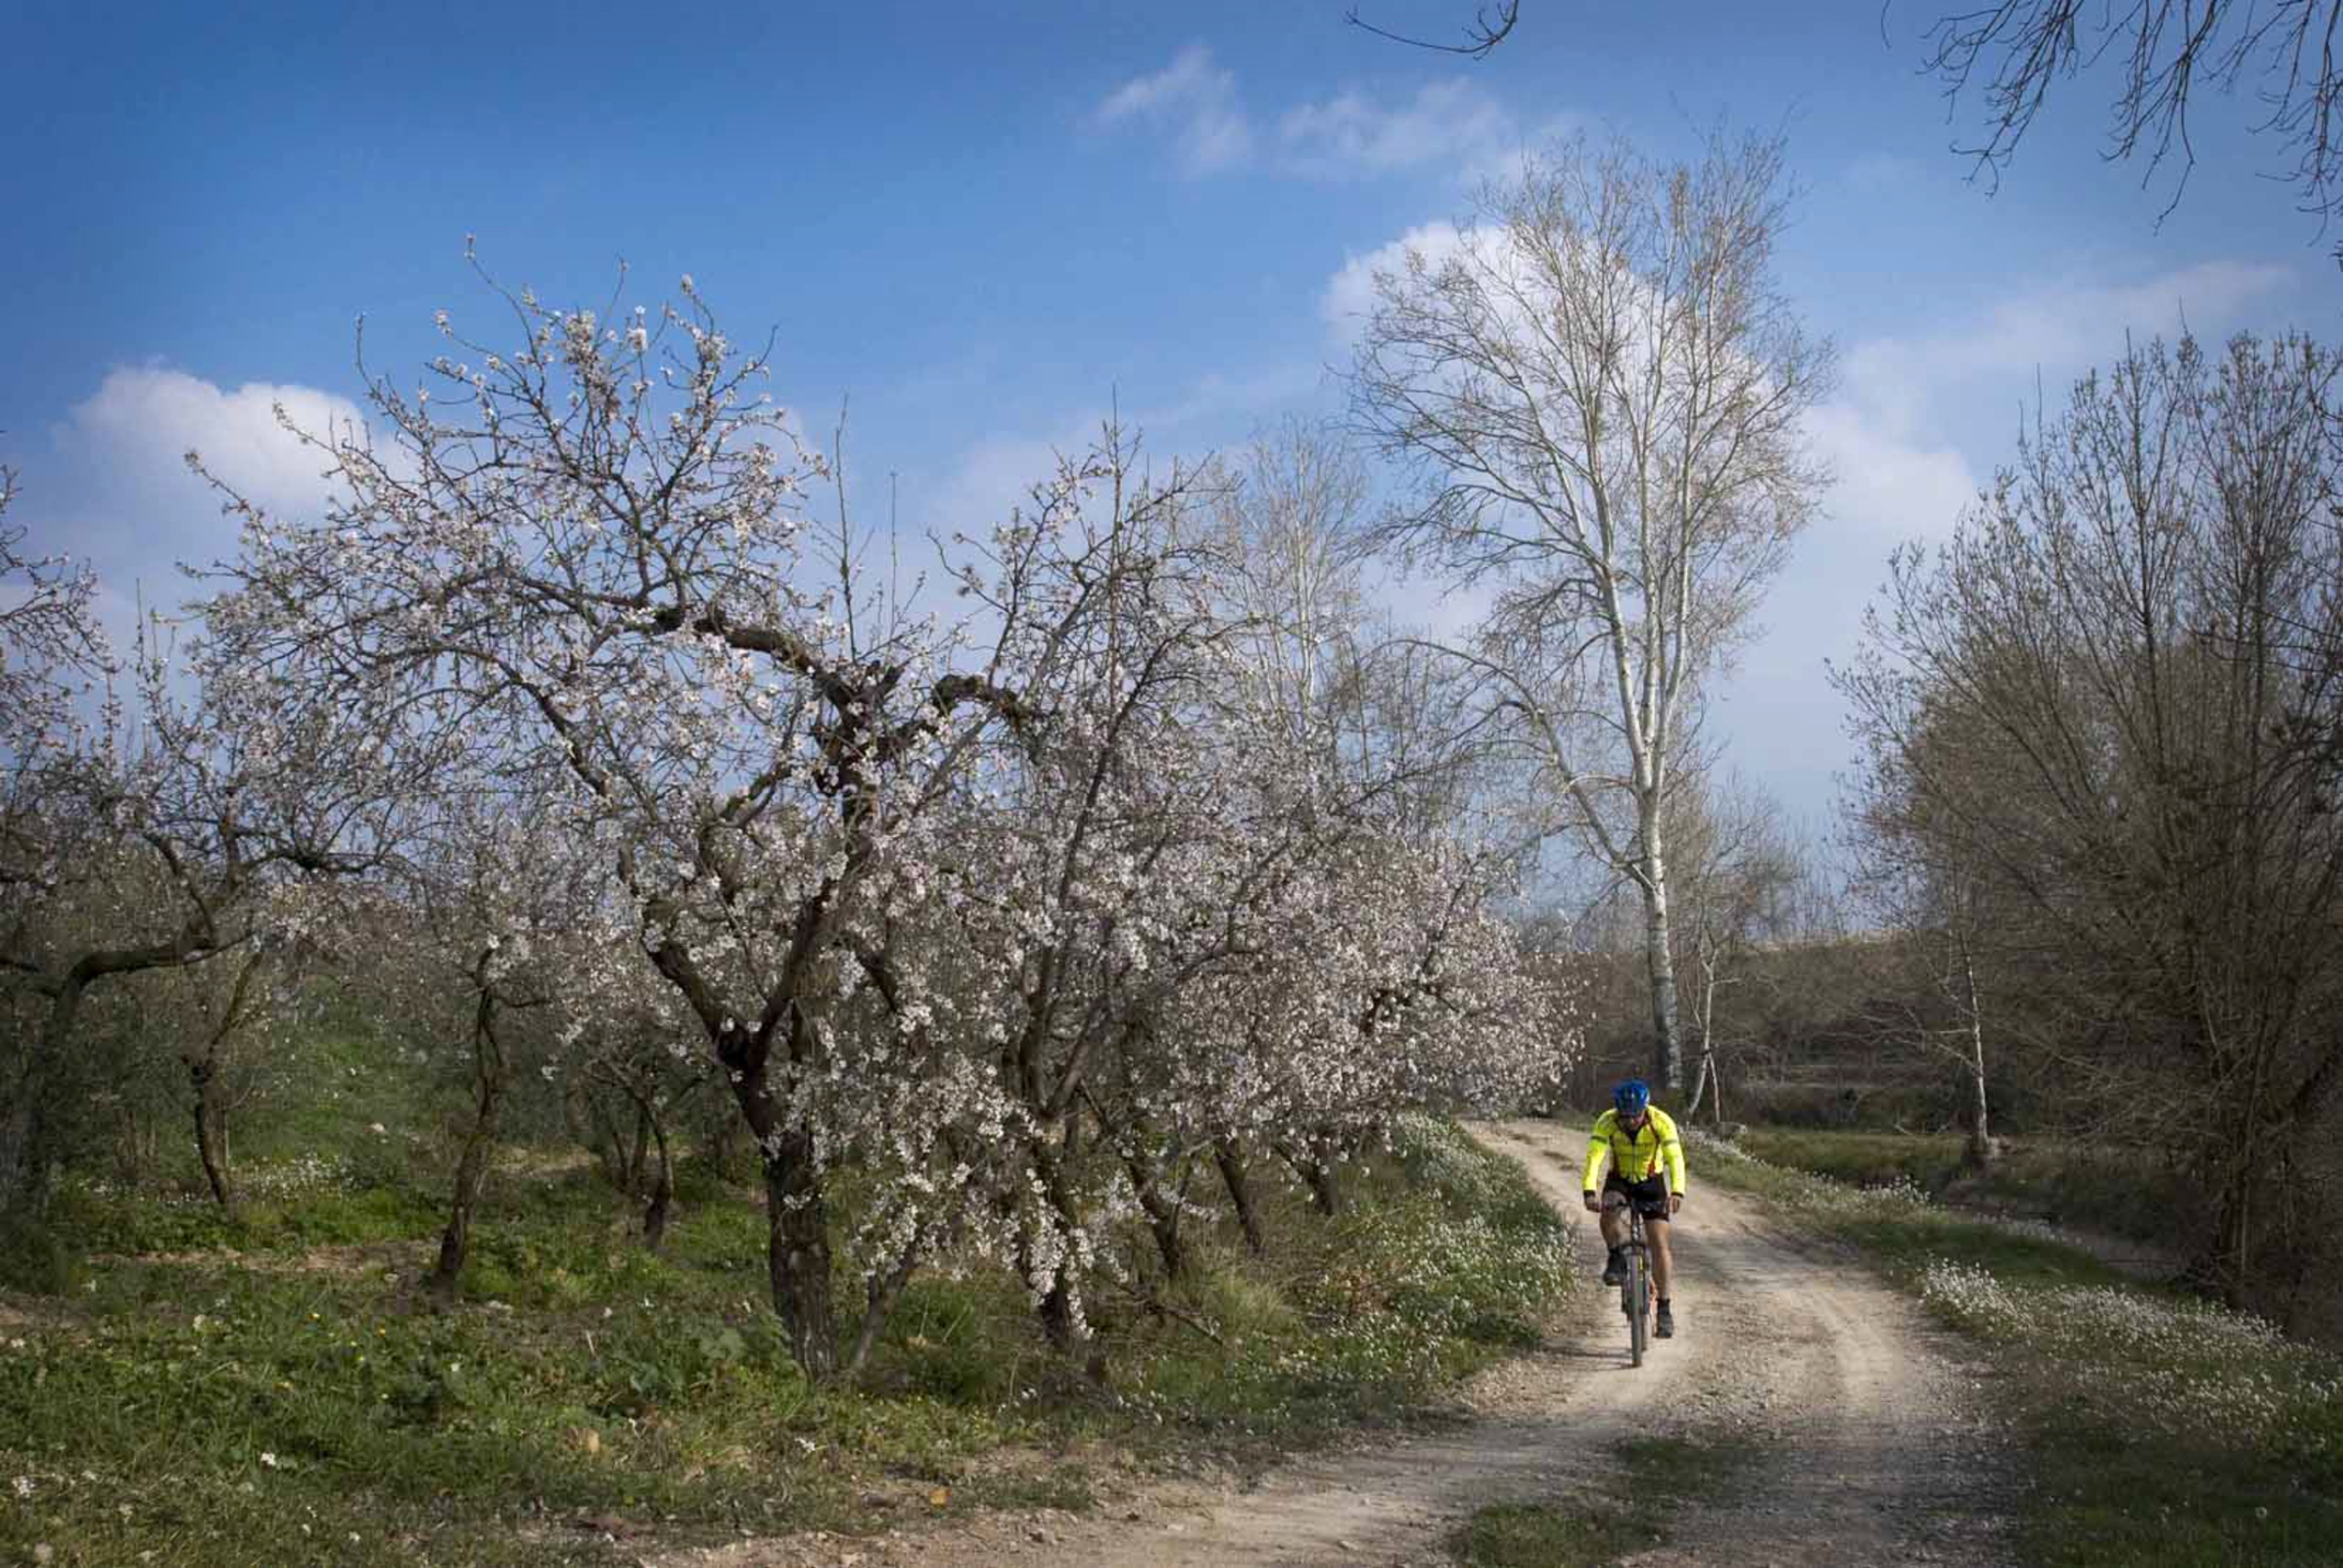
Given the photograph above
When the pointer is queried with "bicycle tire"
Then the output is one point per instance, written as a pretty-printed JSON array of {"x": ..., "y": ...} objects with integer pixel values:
[{"x": 1638, "y": 1304}]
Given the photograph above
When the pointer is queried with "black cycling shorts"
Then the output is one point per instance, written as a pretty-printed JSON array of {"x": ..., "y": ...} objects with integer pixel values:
[{"x": 1649, "y": 1195}]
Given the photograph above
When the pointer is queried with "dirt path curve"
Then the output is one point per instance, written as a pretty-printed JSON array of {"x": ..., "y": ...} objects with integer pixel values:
[{"x": 1870, "y": 1449}]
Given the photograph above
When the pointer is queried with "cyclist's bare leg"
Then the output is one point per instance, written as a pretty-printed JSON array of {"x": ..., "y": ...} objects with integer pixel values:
[
  {"x": 1615, "y": 1226},
  {"x": 1663, "y": 1261}
]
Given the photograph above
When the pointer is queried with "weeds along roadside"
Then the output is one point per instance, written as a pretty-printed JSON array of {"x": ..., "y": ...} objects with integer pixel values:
[
  {"x": 2159, "y": 1431},
  {"x": 217, "y": 1392}
]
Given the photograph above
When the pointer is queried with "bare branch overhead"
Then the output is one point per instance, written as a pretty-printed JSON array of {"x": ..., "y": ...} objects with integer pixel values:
[{"x": 1483, "y": 36}]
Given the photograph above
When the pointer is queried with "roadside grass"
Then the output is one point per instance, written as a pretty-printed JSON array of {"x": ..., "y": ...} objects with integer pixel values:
[
  {"x": 1685, "y": 1468},
  {"x": 2160, "y": 1432},
  {"x": 1538, "y": 1535},
  {"x": 268, "y": 1389},
  {"x": 2126, "y": 1193}
]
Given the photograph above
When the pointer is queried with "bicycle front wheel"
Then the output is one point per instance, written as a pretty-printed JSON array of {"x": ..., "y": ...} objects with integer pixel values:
[{"x": 1637, "y": 1295}]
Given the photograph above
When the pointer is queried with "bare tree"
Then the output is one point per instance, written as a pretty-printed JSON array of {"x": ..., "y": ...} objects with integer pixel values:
[
  {"x": 2165, "y": 50},
  {"x": 1287, "y": 516},
  {"x": 1929, "y": 886},
  {"x": 1602, "y": 388},
  {"x": 2120, "y": 626},
  {"x": 1737, "y": 865}
]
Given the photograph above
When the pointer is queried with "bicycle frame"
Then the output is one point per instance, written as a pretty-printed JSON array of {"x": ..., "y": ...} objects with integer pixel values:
[{"x": 1634, "y": 1292}]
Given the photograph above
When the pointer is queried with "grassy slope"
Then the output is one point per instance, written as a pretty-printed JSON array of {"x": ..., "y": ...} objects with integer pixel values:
[
  {"x": 263, "y": 1391},
  {"x": 2163, "y": 1433}
]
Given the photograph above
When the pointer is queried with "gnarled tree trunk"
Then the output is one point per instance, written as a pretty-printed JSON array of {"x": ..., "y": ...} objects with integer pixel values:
[
  {"x": 472, "y": 1169},
  {"x": 201, "y": 1072},
  {"x": 797, "y": 1213}
]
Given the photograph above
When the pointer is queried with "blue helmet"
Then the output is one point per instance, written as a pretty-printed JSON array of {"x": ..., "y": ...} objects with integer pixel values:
[{"x": 1630, "y": 1098}]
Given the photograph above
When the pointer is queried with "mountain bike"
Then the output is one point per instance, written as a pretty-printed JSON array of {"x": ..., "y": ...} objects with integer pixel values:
[{"x": 1634, "y": 1292}]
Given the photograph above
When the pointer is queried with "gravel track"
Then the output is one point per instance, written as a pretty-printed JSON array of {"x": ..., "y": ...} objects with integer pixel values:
[{"x": 1867, "y": 1440}]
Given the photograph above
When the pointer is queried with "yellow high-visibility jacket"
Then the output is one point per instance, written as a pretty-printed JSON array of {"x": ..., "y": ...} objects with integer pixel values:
[{"x": 1636, "y": 1155}]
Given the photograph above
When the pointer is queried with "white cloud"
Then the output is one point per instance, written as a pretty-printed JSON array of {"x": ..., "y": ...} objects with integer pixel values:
[
  {"x": 2063, "y": 327},
  {"x": 1453, "y": 122},
  {"x": 1892, "y": 483},
  {"x": 1424, "y": 605},
  {"x": 113, "y": 488},
  {"x": 1197, "y": 101},
  {"x": 1350, "y": 294},
  {"x": 1777, "y": 714},
  {"x": 1902, "y": 476},
  {"x": 142, "y": 424},
  {"x": 1454, "y": 125}
]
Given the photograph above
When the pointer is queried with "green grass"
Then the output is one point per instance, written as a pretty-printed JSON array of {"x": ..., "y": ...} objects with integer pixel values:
[
  {"x": 1538, "y": 1535},
  {"x": 1899, "y": 1226},
  {"x": 2129, "y": 1193},
  {"x": 266, "y": 1388},
  {"x": 2160, "y": 1432},
  {"x": 1576, "y": 1534},
  {"x": 1691, "y": 1466}
]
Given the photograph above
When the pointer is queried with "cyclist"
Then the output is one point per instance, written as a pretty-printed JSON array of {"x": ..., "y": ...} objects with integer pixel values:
[{"x": 1646, "y": 1167}]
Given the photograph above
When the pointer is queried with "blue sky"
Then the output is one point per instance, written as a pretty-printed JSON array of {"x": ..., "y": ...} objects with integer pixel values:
[{"x": 987, "y": 224}]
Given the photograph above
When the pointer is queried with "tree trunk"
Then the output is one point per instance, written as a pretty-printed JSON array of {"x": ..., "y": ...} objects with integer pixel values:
[
  {"x": 472, "y": 1169},
  {"x": 638, "y": 1149},
  {"x": 1660, "y": 958},
  {"x": 24, "y": 1125},
  {"x": 1980, "y": 1150},
  {"x": 797, "y": 1212},
  {"x": 1707, "y": 960},
  {"x": 2225, "y": 1271},
  {"x": 887, "y": 1288},
  {"x": 663, "y": 1188},
  {"x": 1057, "y": 1315},
  {"x": 1316, "y": 1168},
  {"x": 23, "y": 1163},
  {"x": 1231, "y": 1159},
  {"x": 200, "y": 1074},
  {"x": 603, "y": 1138},
  {"x": 1700, "y": 1084},
  {"x": 135, "y": 1145},
  {"x": 1163, "y": 1214},
  {"x": 1060, "y": 1322},
  {"x": 797, "y": 1253},
  {"x": 725, "y": 1149},
  {"x": 211, "y": 1116}
]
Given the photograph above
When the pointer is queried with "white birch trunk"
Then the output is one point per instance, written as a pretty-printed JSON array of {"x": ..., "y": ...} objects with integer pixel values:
[
  {"x": 1659, "y": 955},
  {"x": 1980, "y": 1148}
]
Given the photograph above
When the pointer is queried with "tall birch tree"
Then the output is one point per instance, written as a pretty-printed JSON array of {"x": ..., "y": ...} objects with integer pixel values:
[{"x": 1602, "y": 390}]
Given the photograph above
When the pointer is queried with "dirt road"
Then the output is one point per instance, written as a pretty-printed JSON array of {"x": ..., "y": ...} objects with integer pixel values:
[{"x": 1868, "y": 1443}]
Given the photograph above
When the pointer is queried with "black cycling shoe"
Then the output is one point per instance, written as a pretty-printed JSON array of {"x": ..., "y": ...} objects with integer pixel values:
[
  {"x": 1666, "y": 1327},
  {"x": 1615, "y": 1272}
]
